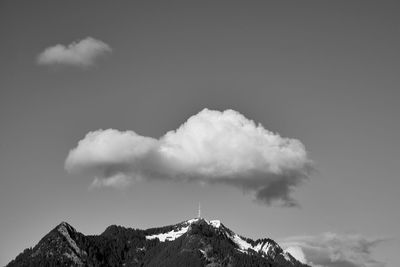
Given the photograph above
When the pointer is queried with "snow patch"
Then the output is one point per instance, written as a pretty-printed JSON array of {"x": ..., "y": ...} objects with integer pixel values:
[
  {"x": 169, "y": 236},
  {"x": 192, "y": 220},
  {"x": 203, "y": 252},
  {"x": 215, "y": 223},
  {"x": 296, "y": 253},
  {"x": 263, "y": 247},
  {"x": 174, "y": 234},
  {"x": 242, "y": 244}
]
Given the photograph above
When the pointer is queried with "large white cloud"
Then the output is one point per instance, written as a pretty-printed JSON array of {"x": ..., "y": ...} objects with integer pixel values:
[
  {"x": 82, "y": 53},
  {"x": 333, "y": 250},
  {"x": 210, "y": 147}
]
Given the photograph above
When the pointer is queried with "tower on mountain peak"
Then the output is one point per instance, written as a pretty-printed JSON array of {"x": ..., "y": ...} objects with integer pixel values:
[{"x": 199, "y": 212}]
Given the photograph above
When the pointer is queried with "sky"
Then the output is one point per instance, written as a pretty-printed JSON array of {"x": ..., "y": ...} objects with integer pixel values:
[{"x": 281, "y": 118}]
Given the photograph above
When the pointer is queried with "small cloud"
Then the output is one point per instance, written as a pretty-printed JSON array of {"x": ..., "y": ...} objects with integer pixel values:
[
  {"x": 211, "y": 147},
  {"x": 81, "y": 53},
  {"x": 118, "y": 180},
  {"x": 332, "y": 250}
]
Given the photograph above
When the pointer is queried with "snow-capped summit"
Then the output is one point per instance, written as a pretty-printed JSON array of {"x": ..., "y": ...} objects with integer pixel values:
[
  {"x": 266, "y": 247},
  {"x": 182, "y": 228}
]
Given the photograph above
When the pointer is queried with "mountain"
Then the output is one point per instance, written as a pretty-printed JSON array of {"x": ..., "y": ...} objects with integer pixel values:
[{"x": 195, "y": 242}]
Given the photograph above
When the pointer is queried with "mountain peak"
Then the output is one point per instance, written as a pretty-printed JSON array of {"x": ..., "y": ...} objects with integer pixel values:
[
  {"x": 193, "y": 242},
  {"x": 173, "y": 232},
  {"x": 64, "y": 226},
  {"x": 215, "y": 223}
]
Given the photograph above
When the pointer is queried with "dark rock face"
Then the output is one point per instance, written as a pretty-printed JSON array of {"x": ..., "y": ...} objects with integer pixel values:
[{"x": 195, "y": 242}]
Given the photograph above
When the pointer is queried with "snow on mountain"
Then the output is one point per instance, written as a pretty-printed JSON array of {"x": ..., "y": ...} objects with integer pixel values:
[
  {"x": 265, "y": 247},
  {"x": 215, "y": 223},
  {"x": 201, "y": 243},
  {"x": 169, "y": 236},
  {"x": 173, "y": 234}
]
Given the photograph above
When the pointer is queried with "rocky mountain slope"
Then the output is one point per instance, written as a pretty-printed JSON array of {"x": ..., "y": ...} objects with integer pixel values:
[{"x": 195, "y": 242}]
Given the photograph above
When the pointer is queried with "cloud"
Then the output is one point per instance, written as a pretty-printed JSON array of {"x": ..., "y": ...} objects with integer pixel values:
[
  {"x": 118, "y": 180},
  {"x": 333, "y": 250},
  {"x": 211, "y": 147},
  {"x": 82, "y": 53}
]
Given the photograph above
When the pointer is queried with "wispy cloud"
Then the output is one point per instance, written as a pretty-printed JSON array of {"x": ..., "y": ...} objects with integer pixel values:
[
  {"x": 211, "y": 147},
  {"x": 118, "y": 180},
  {"x": 81, "y": 53},
  {"x": 334, "y": 250}
]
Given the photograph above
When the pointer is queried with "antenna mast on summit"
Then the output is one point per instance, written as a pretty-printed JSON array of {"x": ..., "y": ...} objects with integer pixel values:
[{"x": 199, "y": 213}]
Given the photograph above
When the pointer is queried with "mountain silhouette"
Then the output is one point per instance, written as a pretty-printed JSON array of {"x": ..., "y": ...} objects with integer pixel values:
[{"x": 195, "y": 242}]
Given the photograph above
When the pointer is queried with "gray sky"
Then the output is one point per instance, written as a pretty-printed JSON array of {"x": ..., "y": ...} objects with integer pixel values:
[{"x": 325, "y": 73}]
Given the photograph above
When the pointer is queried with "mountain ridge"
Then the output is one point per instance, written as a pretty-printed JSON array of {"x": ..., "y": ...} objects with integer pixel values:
[{"x": 194, "y": 242}]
